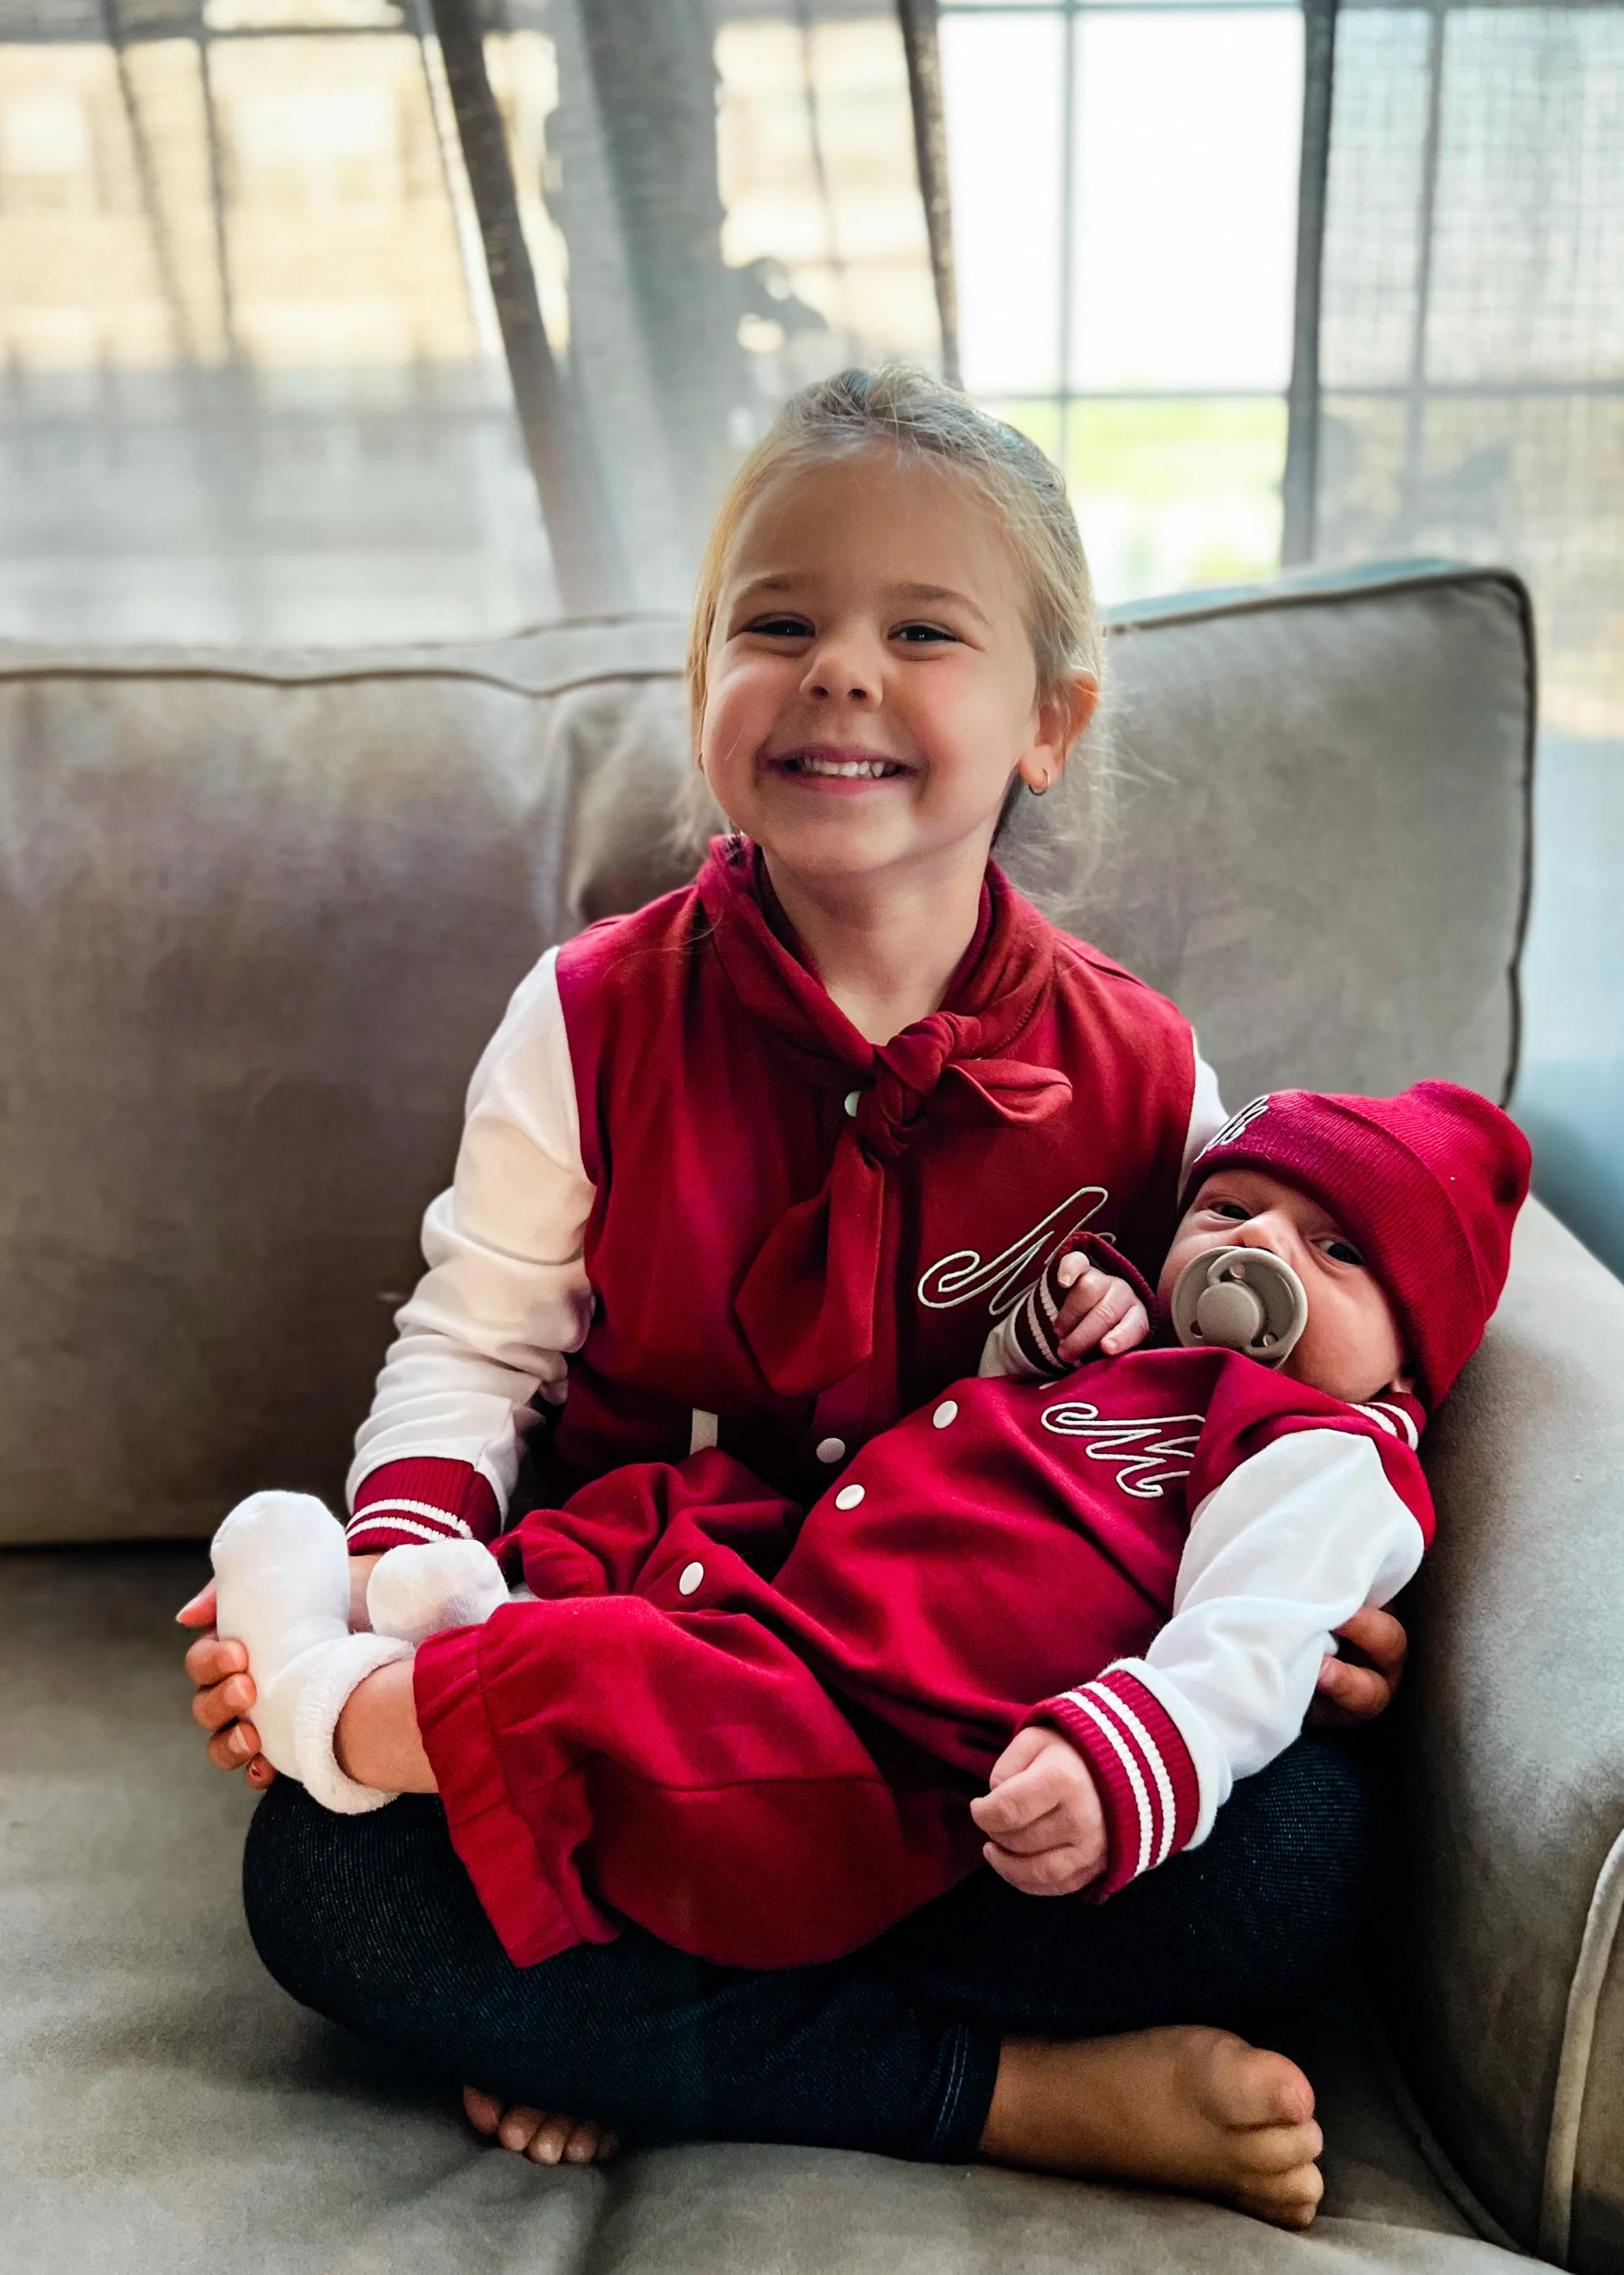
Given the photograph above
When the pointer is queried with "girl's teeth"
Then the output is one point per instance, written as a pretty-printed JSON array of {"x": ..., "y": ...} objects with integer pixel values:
[{"x": 873, "y": 770}]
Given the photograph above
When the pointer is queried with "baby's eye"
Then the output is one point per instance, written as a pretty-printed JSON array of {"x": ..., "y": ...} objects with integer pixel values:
[
  {"x": 1343, "y": 1251},
  {"x": 919, "y": 635},
  {"x": 1233, "y": 1209}
]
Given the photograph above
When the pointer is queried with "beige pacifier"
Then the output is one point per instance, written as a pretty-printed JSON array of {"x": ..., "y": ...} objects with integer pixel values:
[{"x": 1240, "y": 1299}]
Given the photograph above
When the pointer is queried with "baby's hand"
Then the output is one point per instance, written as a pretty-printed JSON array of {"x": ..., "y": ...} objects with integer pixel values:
[
  {"x": 1045, "y": 1825},
  {"x": 1098, "y": 1310}
]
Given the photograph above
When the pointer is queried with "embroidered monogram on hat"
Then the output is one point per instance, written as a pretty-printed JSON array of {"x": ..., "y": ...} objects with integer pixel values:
[{"x": 1237, "y": 1126}]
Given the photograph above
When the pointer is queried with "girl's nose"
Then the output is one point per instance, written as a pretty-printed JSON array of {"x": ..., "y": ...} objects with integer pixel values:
[{"x": 837, "y": 673}]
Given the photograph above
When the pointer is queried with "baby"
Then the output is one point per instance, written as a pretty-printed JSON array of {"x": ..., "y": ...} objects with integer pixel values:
[{"x": 765, "y": 1738}]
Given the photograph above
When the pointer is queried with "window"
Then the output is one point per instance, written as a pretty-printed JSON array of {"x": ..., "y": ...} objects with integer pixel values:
[{"x": 1125, "y": 191}]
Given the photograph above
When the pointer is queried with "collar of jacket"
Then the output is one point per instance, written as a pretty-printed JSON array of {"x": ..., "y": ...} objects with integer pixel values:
[{"x": 806, "y": 1305}]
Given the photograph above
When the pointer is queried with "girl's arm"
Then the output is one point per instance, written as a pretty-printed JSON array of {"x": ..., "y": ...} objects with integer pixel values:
[{"x": 505, "y": 1298}]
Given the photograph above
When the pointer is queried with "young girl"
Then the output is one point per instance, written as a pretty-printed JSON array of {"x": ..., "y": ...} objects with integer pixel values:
[{"x": 767, "y": 1158}]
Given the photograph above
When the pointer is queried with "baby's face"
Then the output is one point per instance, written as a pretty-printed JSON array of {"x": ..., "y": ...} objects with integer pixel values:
[{"x": 1350, "y": 1347}]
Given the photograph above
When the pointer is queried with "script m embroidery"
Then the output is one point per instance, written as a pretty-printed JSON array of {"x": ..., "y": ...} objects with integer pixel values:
[
  {"x": 1005, "y": 1278},
  {"x": 1144, "y": 1456}
]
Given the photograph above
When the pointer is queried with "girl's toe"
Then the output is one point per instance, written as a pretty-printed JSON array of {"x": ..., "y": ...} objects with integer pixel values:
[
  {"x": 483, "y": 2111},
  {"x": 1289, "y": 2200},
  {"x": 518, "y": 2128},
  {"x": 1267, "y": 2151},
  {"x": 547, "y": 2146}
]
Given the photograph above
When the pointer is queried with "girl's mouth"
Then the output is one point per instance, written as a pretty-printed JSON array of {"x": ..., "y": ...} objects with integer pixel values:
[{"x": 825, "y": 764}]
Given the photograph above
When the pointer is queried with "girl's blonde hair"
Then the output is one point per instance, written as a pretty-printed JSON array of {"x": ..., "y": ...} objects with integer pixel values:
[{"x": 918, "y": 419}]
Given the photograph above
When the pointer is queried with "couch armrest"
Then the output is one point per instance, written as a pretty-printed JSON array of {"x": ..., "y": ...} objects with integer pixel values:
[{"x": 1510, "y": 1988}]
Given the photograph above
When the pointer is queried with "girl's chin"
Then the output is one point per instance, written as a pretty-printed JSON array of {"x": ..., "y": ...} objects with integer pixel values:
[
  {"x": 831, "y": 856},
  {"x": 864, "y": 828}
]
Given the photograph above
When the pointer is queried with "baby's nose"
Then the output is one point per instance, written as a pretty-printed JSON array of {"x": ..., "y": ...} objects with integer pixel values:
[{"x": 1268, "y": 1231}]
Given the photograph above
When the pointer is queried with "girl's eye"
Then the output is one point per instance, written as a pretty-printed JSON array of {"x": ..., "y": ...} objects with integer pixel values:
[
  {"x": 1232, "y": 1210},
  {"x": 780, "y": 628},
  {"x": 919, "y": 635},
  {"x": 1343, "y": 1251}
]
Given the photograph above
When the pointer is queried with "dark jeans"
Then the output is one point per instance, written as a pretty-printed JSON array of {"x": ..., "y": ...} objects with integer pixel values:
[{"x": 373, "y": 1922}]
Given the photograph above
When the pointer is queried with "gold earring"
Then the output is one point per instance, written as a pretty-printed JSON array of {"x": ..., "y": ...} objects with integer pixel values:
[{"x": 1040, "y": 789}]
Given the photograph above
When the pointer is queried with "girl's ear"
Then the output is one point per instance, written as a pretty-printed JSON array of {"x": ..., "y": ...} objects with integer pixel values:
[{"x": 1062, "y": 715}]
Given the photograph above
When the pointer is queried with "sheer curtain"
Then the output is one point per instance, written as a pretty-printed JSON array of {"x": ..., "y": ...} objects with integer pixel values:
[
  {"x": 252, "y": 380},
  {"x": 1471, "y": 370}
]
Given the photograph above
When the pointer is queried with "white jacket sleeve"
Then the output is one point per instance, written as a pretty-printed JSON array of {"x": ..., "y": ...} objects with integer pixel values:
[
  {"x": 1289, "y": 1546},
  {"x": 1207, "y": 1114},
  {"x": 506, "y": 1294}
]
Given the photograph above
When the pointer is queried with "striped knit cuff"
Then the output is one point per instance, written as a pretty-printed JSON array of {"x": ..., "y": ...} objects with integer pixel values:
[
  {"x": 1029, "y": 1346},
  {"x": 409, "y": 1501},
  {"x": 1147, "y": 1781}
]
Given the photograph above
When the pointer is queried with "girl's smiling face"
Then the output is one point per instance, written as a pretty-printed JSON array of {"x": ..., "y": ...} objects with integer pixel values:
[
  {"x": 1352, "y": 1347},
  {"x": 870, "y": 686}
]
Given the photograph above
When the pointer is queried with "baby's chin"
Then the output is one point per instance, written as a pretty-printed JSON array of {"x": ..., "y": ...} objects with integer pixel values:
[{"x": 1349, "y": 1390}]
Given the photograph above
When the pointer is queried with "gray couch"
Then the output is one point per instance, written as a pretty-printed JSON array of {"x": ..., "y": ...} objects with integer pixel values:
[{"x": 257, "y": 916}]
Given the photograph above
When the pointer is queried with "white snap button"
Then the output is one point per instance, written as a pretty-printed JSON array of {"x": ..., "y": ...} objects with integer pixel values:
[
  {"x": 848, "y": 1497},
  {"x": 689, "y": 1578},
  {"x": 853, "y": 1099},
  {"x": 946, "y": 1413},
  {"x": 830, "y": 1449}
]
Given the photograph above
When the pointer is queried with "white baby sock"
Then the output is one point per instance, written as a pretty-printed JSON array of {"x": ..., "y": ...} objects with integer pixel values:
[
  {"x": 284, "y": 1589},
  {"x": 416, "y": 1593}
]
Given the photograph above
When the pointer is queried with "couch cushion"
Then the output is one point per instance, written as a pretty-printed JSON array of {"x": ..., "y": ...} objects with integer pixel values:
[
  {"x": 258, "y": 914},
  {"x": 1315, "y": 832},
  {"x": 167, "y": 2110},
  {"x": 1509, "y": 1969}
]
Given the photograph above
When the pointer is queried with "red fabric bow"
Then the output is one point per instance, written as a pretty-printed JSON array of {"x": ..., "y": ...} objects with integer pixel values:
[{"x": 806, "y": 1305}]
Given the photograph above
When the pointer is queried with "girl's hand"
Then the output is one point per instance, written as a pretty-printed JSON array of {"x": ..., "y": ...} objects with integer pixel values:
[
  {"x": 1042, "y": 1815},
  {"x": 1363, "y": 1683},
  {"x": 225, "y": 1694},
  {"x": 1099, "y": 1309}
]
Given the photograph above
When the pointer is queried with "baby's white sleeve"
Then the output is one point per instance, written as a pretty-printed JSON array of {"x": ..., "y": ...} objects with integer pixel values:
[
  {"x": 1278, "y": 1556},
  {"x": 506, "y": 1294}
]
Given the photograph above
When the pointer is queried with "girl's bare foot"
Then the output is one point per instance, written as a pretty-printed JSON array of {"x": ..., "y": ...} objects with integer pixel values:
[
  {"x": 1191, "y": 2109},
  {"x": 542, "y": 2135}
]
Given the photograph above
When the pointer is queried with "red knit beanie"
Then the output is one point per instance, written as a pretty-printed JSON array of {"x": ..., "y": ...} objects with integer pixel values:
[{"x": 1427, "y": 1186}]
